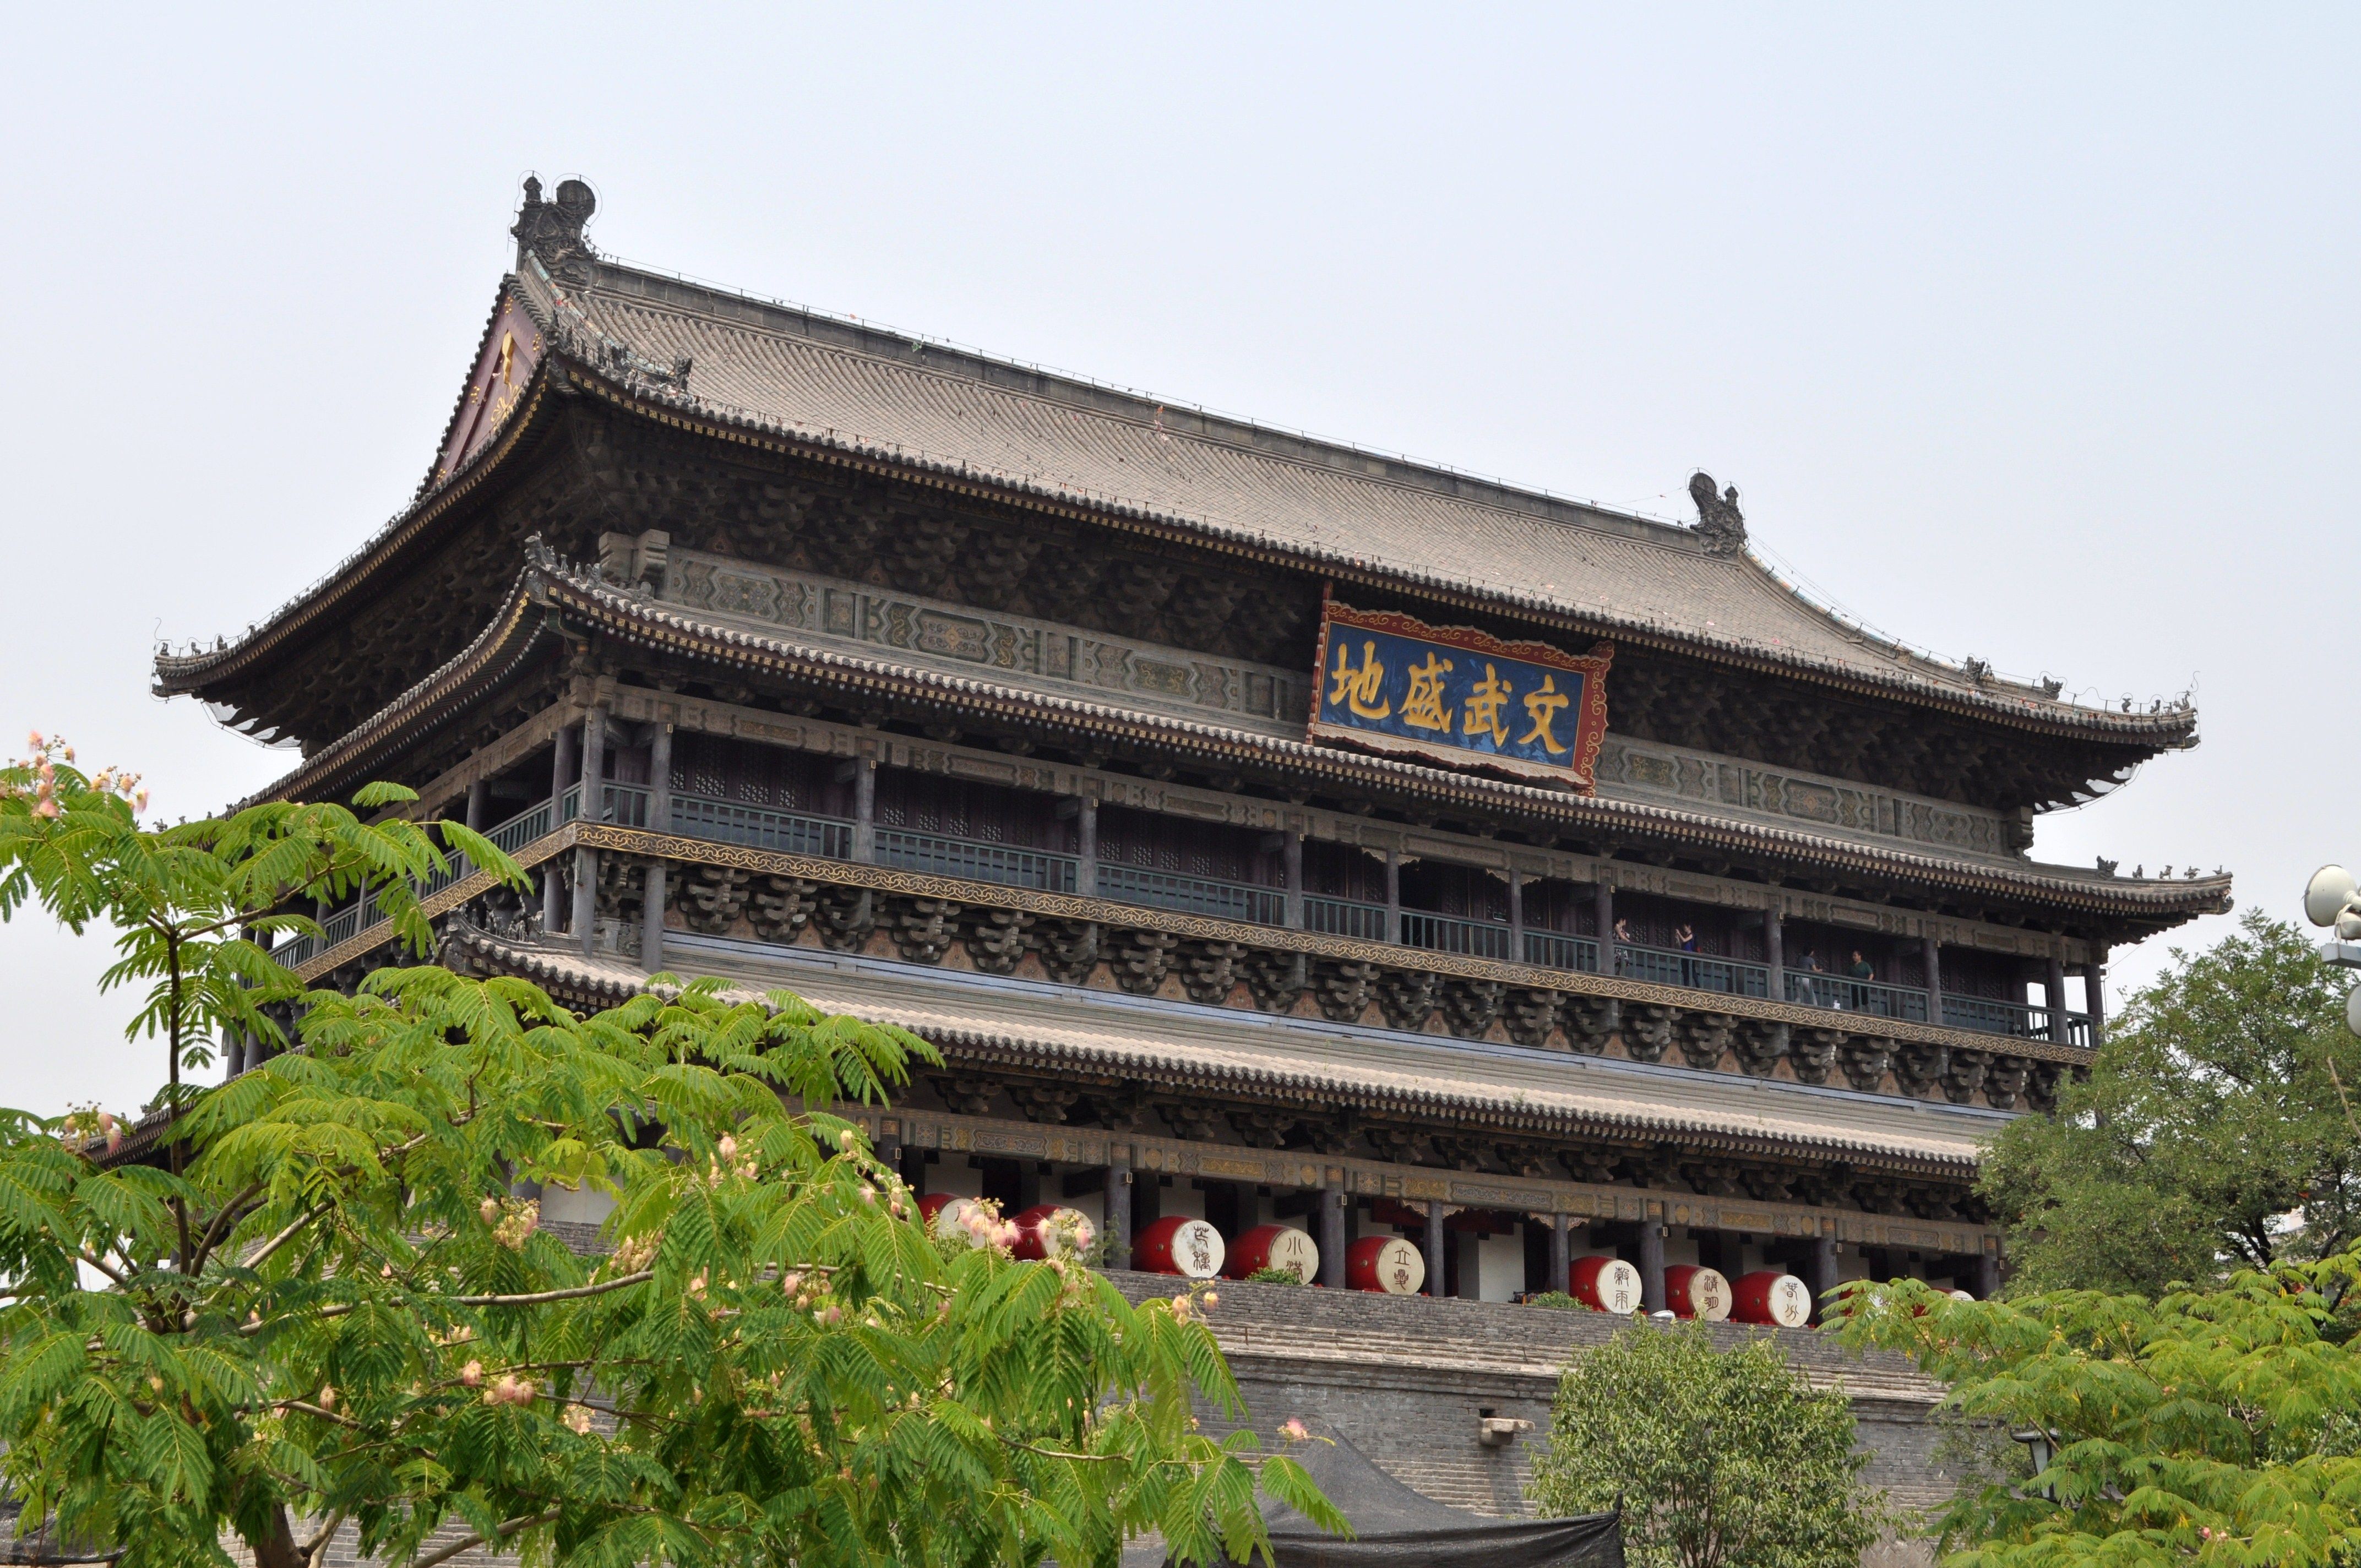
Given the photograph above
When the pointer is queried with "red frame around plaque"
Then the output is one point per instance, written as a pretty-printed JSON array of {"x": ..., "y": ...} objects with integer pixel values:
[{"x": 1577, "y": 773}]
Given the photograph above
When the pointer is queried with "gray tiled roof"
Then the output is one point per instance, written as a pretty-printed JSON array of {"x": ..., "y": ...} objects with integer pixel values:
[
  {"x": 854, "y": 386},
  {"x": 1217, "y": 1050}
]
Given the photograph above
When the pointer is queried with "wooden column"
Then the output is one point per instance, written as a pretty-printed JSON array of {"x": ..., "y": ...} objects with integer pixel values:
[
  {"x": 864, "y": 809},
  {"x": 1651, "y": 1267},
  {"x": 1393, "y": 895},
  {"x": 1774, "y": 949},
  {"x": 1291, "y": 855},
  {"x": 594, "y": 766},
  {"x": 480, "y": 796},
  {"x": 593, "y": 809},
  {"x": 2053, "y": 988},
  {"x": 585, "y": 923},
  {"x": 1822, "y": 1277},
  {"x": 1934, "y": 979},
  {"x": 1987, "y": 1275},
  {"x": 1086, "y": 841},
  {"x": 1603, "y": 900},
  {"x": 1118, "y": 1216},
  {"x": 1516, "y": 915},
  {"x": 2095, "y": 995},
  {"x": 658, "y": 888},
  {"x": 1561, "y": 1257},
  {"x": 561, "y": 773},
  {"x": 1433, "y": 1248},
  {"x": 1332, "y": 1237}
]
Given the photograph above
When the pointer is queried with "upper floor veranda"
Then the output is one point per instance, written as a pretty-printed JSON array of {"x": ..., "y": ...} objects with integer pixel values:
[{"x": 645, "y": 809}]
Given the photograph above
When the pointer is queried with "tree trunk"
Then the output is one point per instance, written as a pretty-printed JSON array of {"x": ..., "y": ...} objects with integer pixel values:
[{"x": 276, "y": 1546}]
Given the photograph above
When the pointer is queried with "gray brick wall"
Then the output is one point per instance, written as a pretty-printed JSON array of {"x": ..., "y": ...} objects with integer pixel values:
[{"x": 1405, "y": 1379}]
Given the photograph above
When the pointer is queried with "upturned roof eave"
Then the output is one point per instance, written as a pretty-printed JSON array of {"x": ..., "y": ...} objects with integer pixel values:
[
  {"x": 196, "y": 675},
  {"x": 883, "y": 348},
  {"x": 2014, "y": 706},
  {"x": 2143, "y": 735}
]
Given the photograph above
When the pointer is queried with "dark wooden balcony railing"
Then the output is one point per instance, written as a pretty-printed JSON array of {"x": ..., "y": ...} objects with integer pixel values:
[
  {"x": 1194, "y": 895},
  {"x": 1986, "y": 1016},
  {"x": 974, "y": 862},
  {"x": 723, "y": 821},
  {"x": 788, "y": 832},
  {"x": 1344, "y": 917},
  {"x": 1445, "y": 934},
  {"x": 1810, "y": 988},
  {"x": 1698, "y": 971},
  {"x": 1552, "y": 949}
]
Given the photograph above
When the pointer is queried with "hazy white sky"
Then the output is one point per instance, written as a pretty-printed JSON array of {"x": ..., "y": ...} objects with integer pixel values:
[{"x": 2024, "y": 334}]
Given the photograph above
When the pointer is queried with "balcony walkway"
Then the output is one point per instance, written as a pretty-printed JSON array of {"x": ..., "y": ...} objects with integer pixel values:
[{"x": 727, "y": 822}]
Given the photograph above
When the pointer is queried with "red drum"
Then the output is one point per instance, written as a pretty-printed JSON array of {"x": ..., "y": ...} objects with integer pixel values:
[
  {"x": 1771, "y": 1296},
  {"x": 1693, "y": 1292},
  {"x": 1605, "y": 1285},
  {"x": 1176, "y": 1245},
  {"x": 946, "y": 1214},
  {"x": 1052, "y": 1230},
  {"x": 1385, "y": 1264},
  {"x": 1274, "y": 1247}
]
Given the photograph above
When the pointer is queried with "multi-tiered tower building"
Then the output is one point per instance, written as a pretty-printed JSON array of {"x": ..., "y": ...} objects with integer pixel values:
[{"x": 1260, "y": 827}]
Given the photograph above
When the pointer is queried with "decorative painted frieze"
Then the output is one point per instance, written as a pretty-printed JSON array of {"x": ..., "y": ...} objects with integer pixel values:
[
  {"x": 1090, "y": 665},
  {"x": 1669, "y": 775}
]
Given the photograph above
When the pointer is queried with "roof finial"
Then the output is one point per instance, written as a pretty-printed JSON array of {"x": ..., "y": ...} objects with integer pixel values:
[
  {"x": 553, "y": 230},
  {"x": 1721, "y": 525}
]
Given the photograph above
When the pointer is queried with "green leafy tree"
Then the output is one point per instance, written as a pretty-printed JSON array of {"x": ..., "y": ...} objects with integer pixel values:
[
  {"x": 1719, "y": 1458},
  {"x": 310, "y": 1302},
  {"x": 2213, "y": 1132},
  {"x": 2217, "y": 1427}
]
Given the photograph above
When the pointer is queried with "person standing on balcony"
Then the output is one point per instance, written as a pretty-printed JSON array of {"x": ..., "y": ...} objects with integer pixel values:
[
  {"x": 1685, "y": 938},
  {"x": 1860, "y": 968},
  {"x": 1817, "y": 990},
  {"x": 1622, "y": 947}
]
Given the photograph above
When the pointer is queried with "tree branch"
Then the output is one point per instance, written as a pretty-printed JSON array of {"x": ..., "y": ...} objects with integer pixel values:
[
  {"x": 573, "y": 1293},
  {"x": 222, "y": 1224},
  {"x": 102, "y": 1268},
  {"x": 531, "y": 1298},
  {"x": 289, "y": 1235},
  {"x": 309, "y": 1408},
  {"x": 313, "y": 1549},
  {"x": 445, "y": 1554},
  {"x": 2342, "y": 1100},
  {"x": 1055, "y": 1454}
]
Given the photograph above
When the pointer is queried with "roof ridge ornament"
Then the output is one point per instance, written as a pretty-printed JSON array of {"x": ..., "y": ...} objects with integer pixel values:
[
  {"x": 552, "y": 230},
  {"x": 1720, "y": 524}
]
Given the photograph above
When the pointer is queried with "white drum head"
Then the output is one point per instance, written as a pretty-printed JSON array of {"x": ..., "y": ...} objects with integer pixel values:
[
  {"x": 1197, "y": 1250},
  {"x": 1789, "y": 1302},
  {"x": 1401, "y": 1268},
  {"x": 1710, "y": 1296}
]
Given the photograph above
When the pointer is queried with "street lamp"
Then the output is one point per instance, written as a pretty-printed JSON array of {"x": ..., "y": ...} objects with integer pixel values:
[{"x": 2332, "y": 898}]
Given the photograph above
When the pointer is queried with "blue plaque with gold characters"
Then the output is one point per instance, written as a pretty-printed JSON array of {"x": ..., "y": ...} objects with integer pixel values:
[{"x": 1458, "y": 696}]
